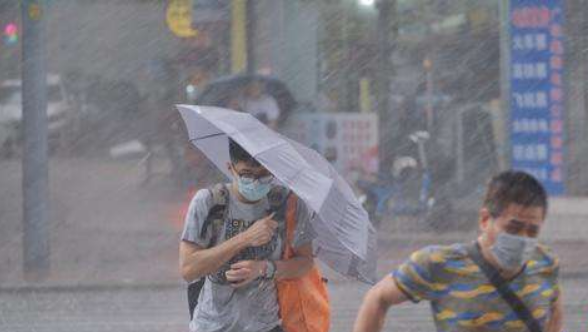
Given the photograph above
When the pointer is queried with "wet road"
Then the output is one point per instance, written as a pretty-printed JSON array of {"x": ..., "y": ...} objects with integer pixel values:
[{"x": 163, "y": 309}]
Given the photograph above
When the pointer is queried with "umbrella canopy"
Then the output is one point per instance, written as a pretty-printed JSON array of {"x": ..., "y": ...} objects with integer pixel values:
[
  {"x": 345, "y": 240},
  {"x": 219, "y": 91}
]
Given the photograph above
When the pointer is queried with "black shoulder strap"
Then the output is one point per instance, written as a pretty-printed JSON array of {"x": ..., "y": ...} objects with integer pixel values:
[
  {"x": 220, "y": 198},
  {"x": 515, "y": 302},
  {"x": 193, "y": 294},
  {"x": 277, "y": 199},
  {"x": 216, "y": 214}
]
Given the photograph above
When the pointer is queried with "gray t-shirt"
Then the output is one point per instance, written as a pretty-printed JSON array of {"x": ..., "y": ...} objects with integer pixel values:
[{"x": 252, "y": 308}]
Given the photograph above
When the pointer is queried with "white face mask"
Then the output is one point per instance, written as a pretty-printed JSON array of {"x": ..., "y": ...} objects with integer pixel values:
[{"x": 513, "y": 251}]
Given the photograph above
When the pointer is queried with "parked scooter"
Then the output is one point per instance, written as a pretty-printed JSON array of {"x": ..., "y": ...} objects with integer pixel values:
[{"x": 406, "y": 189}]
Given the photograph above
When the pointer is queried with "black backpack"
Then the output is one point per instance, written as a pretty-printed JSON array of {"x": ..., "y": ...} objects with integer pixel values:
[{"x": 215, "y": 220}]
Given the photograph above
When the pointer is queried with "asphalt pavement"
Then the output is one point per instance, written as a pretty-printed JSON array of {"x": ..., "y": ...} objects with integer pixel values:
[{"x": 164, "y": 309}]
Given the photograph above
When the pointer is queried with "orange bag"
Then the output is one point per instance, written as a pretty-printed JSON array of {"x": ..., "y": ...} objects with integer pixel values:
[{"x": 304, "y": 301}]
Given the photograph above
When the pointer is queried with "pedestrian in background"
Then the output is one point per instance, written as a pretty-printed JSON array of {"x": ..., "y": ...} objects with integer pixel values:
[
  {"x": 503, "y": 281},
  {"x": 260, "y": 104}
]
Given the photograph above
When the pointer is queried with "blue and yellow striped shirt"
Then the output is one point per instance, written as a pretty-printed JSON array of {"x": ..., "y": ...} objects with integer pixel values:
[{"x": 462, "y": 299}]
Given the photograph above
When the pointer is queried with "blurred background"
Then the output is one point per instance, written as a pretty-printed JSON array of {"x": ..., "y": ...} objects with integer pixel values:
[{"x": 416, "y": 102}]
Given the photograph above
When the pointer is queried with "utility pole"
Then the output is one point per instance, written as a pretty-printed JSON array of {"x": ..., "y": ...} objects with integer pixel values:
[
  {"x": 386, "y": 38},
  {"x": 583, "y": 151},
  {"x": 239, "y": 36},
  {"x": 250, "y": 35},
  {"x": 35, "y": 158}
]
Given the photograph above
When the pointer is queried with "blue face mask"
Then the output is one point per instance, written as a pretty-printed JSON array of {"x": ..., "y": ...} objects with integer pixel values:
[{"x": 252, "y": 189}]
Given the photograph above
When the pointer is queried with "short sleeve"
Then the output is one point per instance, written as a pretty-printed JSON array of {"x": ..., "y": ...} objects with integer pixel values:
[
  {"x": 304, "y": 232},
  {"x": 195, "y": 217},
  {"x": 416, "y": 277},
  {"x": 547, "y": 264}
]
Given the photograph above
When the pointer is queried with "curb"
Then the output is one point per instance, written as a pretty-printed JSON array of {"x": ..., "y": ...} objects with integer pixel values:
[{"x": 56, "y": 288}]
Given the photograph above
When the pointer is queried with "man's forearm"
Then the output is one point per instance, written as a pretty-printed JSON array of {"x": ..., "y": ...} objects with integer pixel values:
[
  {"x": 371, "y": 314},
  {"x": 207, "y": 261},
  {"x": 555, "y": 323}
]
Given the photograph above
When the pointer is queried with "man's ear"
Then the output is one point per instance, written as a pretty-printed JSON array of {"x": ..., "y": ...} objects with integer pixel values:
[{"x": 484, "y": 218}]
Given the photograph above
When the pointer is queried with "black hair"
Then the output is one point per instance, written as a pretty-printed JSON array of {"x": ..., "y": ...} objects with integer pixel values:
[
  {"x": 514, "y": 187},
  {"x": 237, "y": 154}
]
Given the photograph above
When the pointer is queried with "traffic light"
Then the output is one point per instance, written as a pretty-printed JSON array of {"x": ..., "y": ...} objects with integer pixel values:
[{"x": 10, "y": 34}]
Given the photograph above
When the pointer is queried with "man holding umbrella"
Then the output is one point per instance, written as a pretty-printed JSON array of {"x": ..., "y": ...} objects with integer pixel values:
[
  {"x": 286, "y": 205},
  {"x": 241, "y": 258}
]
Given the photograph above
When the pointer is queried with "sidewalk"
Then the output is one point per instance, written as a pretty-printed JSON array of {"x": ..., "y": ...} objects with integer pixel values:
[
  {"x": 106, "y": 227},
  {"x": 109, "y": 230}
]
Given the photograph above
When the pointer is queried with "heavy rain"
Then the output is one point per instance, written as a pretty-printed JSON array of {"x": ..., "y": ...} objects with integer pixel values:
[{"x": 415, "y": 103}]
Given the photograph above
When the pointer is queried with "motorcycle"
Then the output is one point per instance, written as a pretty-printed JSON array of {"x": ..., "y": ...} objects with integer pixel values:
[{"x": 405, "y": 190}]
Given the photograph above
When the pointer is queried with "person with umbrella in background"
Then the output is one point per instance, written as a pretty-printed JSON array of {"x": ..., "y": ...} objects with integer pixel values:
[
  {"x": 503, "y": 281},
  {"x": 271, "y": 94},
  {"x": 261, "y": 105},
  {"x": 250, "y": 245}
]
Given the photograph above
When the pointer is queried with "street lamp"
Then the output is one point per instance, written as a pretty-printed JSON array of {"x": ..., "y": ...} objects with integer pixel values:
[{"x": 367, "y": 3}]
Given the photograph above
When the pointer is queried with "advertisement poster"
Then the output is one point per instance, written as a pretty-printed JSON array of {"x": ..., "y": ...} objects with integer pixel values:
[{"x": 348, "y": 140}]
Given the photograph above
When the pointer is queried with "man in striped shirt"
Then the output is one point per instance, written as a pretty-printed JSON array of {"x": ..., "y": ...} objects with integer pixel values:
[{"x": 461, "y": 296}]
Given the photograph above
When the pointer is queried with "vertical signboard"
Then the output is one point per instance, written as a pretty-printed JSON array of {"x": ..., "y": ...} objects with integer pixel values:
[{"x": 537, "y": 90}]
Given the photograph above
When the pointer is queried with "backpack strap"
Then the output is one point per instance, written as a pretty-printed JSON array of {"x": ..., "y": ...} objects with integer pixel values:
[
  {"x": 218, "y": 211},
  {"x": 277, "y": 201},
  {"x": 216, "y": 218}
]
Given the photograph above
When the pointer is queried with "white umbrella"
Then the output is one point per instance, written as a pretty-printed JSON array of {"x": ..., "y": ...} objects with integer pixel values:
[{"x": 345, "y": 240}]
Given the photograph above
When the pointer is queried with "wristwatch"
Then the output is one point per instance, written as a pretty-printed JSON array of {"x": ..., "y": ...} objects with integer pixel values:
[{"x": 270, "y": 271}]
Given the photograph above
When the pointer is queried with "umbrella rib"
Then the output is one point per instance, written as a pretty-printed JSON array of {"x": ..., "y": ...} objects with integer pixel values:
[
  {"x": 208, "y": 136},
  {"x": 276, "y": 146},
  {"x": 272, "y": 147}
]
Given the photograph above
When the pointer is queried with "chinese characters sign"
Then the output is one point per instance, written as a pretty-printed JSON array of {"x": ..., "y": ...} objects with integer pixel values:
[{"x": 537, "y": 90}]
